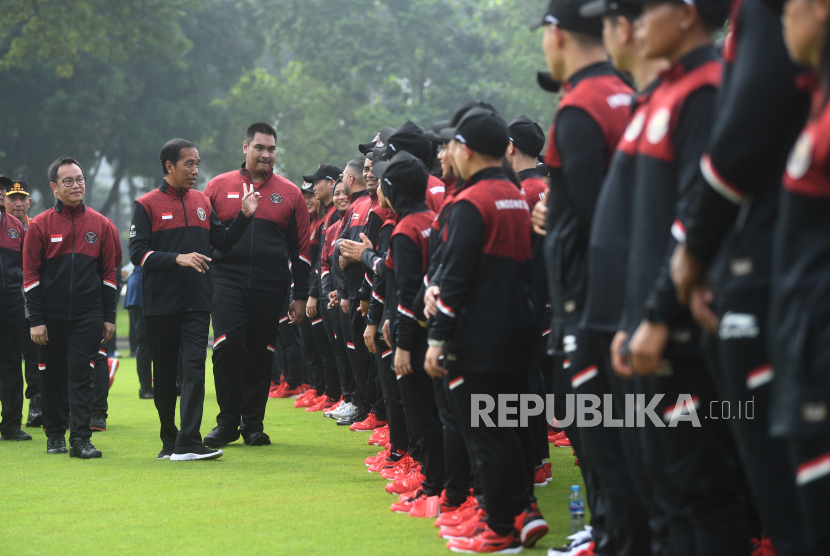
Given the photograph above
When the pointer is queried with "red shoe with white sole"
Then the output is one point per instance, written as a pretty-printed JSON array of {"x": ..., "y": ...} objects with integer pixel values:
[
  {"x": 289, "y": 392},
  {"x": 531, "y": 526},
  {"x": 467, "y": 529},
  {"x": 324, "y": 404},
  {"x": 370, "y": 423},
  {"x": 425, "y": 507},
  {"x": 454, "y": 518},
  {"x": 113, "y": 365},
  {"x": 548, "y": 472},
  {"x": 403, "y": 507},
  {"x": 488, "y": 542}
]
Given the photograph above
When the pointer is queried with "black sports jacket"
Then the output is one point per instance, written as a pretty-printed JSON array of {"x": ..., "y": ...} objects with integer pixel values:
[{"x": 11, "y": 262}]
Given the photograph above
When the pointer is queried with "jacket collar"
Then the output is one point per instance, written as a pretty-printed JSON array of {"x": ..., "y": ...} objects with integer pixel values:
[
  {"x": 689, "y": 62},
  {"x": 243, "y": 171},
  {"x": 529, "y": 174},
  {"x": 358, "y": 194},
  {"x": 69, "y": 210},
  {"x": 493, "y": 173},
  {"x": 168, "y": 189},
  {"x": 593, "y": 70}
]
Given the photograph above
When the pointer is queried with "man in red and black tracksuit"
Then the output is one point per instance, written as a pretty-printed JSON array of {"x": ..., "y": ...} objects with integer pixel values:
[
  {"x": 590, "y": 119},
  {"x": 487, "y": 263},
  {"x": 357, "y": 221},
  {"x": 704, "y": 497},
  {"x": 12, "y": 321},
  {"x": 251, "y": 285},
  {"x": 759, "y": 115},
  {"x": 173, "y": 231},
  {"x": 69, "y": 281}
]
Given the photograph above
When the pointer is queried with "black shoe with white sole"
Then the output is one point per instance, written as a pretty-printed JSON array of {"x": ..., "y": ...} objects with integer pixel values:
[
  {"x": 194, "y": 453},
  {"x": 166, "y": 452}
]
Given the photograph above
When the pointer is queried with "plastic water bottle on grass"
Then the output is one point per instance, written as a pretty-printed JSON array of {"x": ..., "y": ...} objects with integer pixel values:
[{"x": 576, "y": 506}]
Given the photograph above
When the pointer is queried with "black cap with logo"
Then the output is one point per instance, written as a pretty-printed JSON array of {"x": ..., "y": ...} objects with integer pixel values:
[
  {"x": 18, "y": 188},
  {"x": 366, "y": 148},
  {"x": 324, "y": 172},
  {"x": 483, "y": 131},
  {"x": 567, "y": 15},
  {"x": 714, "y": 12},
  {"x": 527, "y": 136},
  {"x": 602, "y": 8},
  {"x": 403, "y": 179},
  {"x": 410, "y": 138}
]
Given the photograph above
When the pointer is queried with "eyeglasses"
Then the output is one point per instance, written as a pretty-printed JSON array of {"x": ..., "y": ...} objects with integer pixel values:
[{"x": 67, "y": 182}]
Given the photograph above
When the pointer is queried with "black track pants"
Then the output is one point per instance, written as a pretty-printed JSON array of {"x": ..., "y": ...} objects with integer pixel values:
[
  {"x": 11, "y": 373},
  {"x": 457, "y": 474},
  {"x": 30, "y": 358},
  {"x": 334, "y": 326},
  {"x": 395, "y": 416},
  {"x": 67, "y": 362},
  {"x": 169, "y": 335},
  {"x": 244, "y": 332},
  {"x": 313, "y": 359},
  {"x": 143, "y": 360}
]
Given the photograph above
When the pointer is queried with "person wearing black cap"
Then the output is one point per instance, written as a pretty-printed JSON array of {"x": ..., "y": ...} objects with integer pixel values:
[
  {"x": 590, "y": 119},
  {"x": 800, "y": 313},
  {"x": 760, "y": 112},
  {"x": 488, "y": 256},
  {"x": 69, "y": 318},
  {"x": 18, "y": 203},
  {"x": 12, "y": 320},
  {"x": 177, "y": 303},
  {"x": 705, "y": 504},
  {"x": 251, "y": 284}
]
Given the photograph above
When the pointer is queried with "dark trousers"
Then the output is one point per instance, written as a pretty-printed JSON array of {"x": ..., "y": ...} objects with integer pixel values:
[
  {"x": 30, "y": 359},
  {"x": 290, "y": 350},
  {"x": 170, "y": 334},
  {"x": 143, "y": 360},
  {"x": 418, "y": 396},
  {"x": 67, "y": 364},
  {"x": 340, "y": 345},
  {"x": 500, "y": 459},
  {"x": 11, "y": 373},
  {"x": 313, "y": 359},
  {"x": 703, "y": 496},
  {"x": 244, "y": 334},
  {"x": 331, "y": 377},
  {"x": 367, "y": 376},
  {"x": 457, "y": 473},
  {"x": 359, "y": 396},
  {"x": 395, "y": 415},
  {"x": 101, "y": 383},
  {"x": 809, "y": 457},
  {"x": 744, "y": 375},
  {"x": 626, "y": 523}
]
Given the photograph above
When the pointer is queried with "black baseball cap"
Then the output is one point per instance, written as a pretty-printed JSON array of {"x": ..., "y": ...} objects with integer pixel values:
[
  {"x": 713, "y": 12},
  {"x": 527, "y": 135},
  {"x": 567, "y": 15},
  {"x": 409, "y": 137},
  {"x": 403, "y": 176},
  {"x": 5, "y": 182},
  {"x": 543, "y": 169},
  {"x": 547, "y": 82},
  {"x": 307, "y": 187},
  {"x": 463, "y": 106},
  {"x": 603, "y": 8},
  {"x": 18, "y": 187},
  {"x": 483, "y": 131},
  {"x": 324, "y": 172},
  {"x": 366, "y": 148}
]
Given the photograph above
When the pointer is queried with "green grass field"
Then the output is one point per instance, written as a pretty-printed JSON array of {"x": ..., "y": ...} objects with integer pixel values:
[{"x": 307, "y": 493}]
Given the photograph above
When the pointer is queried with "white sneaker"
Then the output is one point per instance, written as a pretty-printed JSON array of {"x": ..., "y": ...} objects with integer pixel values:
[
  {"x": 350, "y": 411},
  {"x": 200, "y": 453},
  {"x": 342, "y": 410}
]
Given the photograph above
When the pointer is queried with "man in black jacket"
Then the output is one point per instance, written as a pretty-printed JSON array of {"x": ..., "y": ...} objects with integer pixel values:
[
  {"x": 251, "y": 284},
  {"x": 173, "y": 230}
]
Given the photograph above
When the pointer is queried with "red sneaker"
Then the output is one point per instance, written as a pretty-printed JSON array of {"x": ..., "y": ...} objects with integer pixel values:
[
  {"x": 380, "y": 433},
  {"x": 539, "y": 478},
  {"x": 405, "y": 485},
  {"x": 387, "y": 463},
  {"x": 276, "y": 389},
  {"x": 383, "y": 454},
  {"x": 532, "y": 526},
  {"x": 444, "y": 504},
  {"x": 488, "y": 541},
  {"x": 454, "y": 518},
  {"x": 564, "y": 443},
  {"x": 113, "y": 365},
  {"x": 370, "y": 423},
  {"x": 763, "y": 547},
  {"x": 548, "y": 472},
  {"x": 557, "y": 436},
  {"x": 306, "y": 399},
  {"x": 324, "y": 404},
  {"x": 398, "y": 471},
  {"x": 289, "y": 392},
  {"x": 406, "y": 505},
  {"x": 425, "y": 507},
  {"x": 467, "y": 529}
]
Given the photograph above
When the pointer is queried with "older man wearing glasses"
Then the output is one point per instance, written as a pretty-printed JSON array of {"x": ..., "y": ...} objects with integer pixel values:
[{"x": 69, "y": 282}]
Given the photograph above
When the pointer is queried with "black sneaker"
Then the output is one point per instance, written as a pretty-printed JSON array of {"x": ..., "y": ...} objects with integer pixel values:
[
  {"x": 16, "y": 435},
  {"x": 56, "y": 445},
  {"x": 83, "y": 448},
  {"x": 35, "y": 418},
  {"x": 349, "y": 421},
  {"x": 257, "y": 439},
  {"x": 194, "y": 453},
  {"x": 166, "y": 452},
  {"x": 98, "y": 423},
  {"x": 145, "y": 394},
  {"x": 220, "y": 436}
]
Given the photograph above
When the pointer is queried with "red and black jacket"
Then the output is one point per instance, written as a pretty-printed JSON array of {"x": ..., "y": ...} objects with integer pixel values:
[
  {"x": 170, "y": 221},
  {"x": 536, "y": 190},
  {"x": 277, "y": 235},
  {"x": 677, "y": 127},
  {"x": 373, "y": 264},
  {"x": 406, "y": 261},
  {"x": 610, "y": 229},
  {"x": 436, "y": 241},
  {"x": 590, "y": 119},
  {"x": 746, "y": 154},
  {"x": 331, "y": 276},
  {"x": 800, "y": 317},
  {"x": 317, "y": 239},
  {"x": 486, "y": 315},
  {"x": 377, "y": 217},
  {"x": 11, "y": 262},
  {"x": 69, "y": 265},
  {"x": 435, "y": 193},
  {"x": 355, "y": 222}
]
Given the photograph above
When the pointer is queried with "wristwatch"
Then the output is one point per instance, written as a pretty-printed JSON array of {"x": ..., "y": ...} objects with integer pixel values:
[{"x": 435, "y": 343}]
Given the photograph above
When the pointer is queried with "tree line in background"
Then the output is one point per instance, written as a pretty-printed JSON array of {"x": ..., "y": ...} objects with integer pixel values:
[{"x": 113, "y": 81}]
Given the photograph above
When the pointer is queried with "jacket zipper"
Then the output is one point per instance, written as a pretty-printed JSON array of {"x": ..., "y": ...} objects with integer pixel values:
[
  {"x": 184, "y": 210},
  {"x": 72, "y": 265}
]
